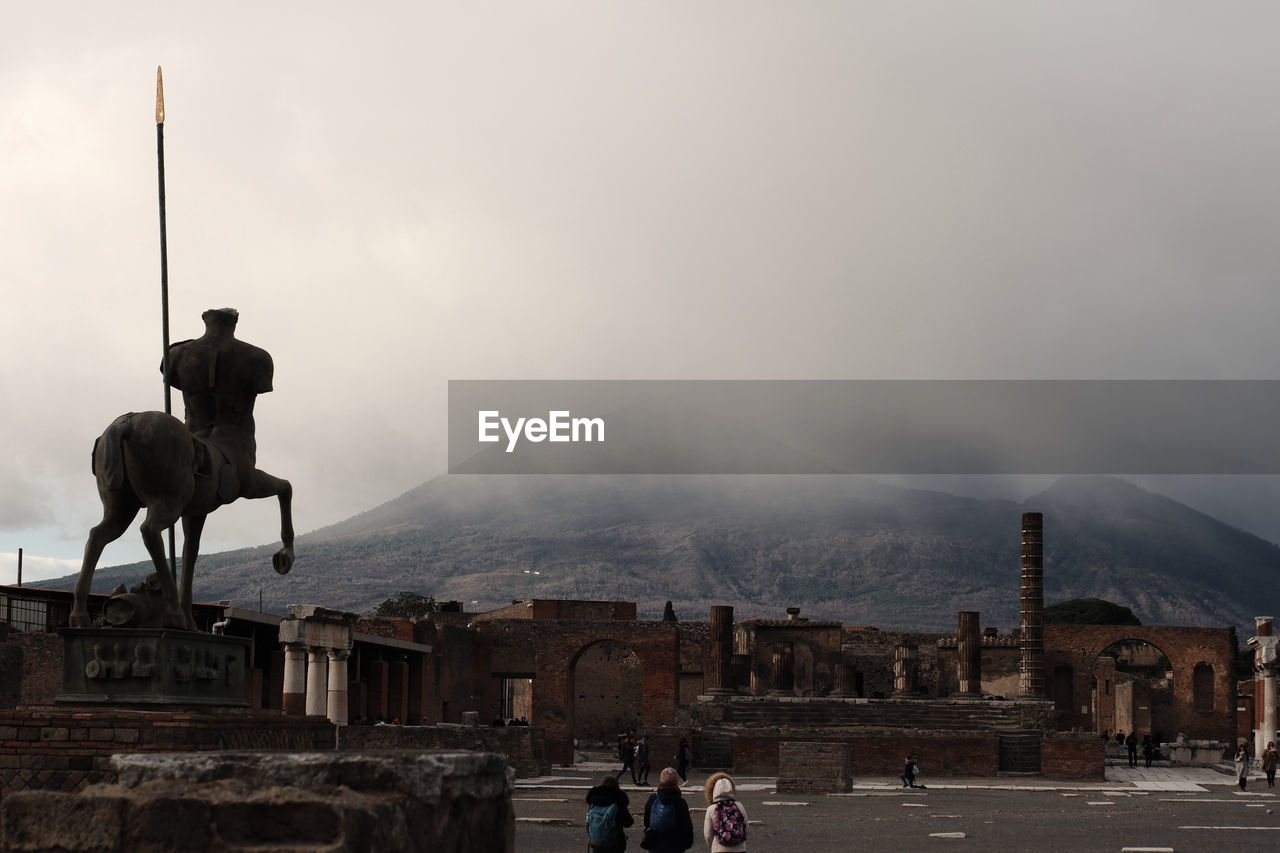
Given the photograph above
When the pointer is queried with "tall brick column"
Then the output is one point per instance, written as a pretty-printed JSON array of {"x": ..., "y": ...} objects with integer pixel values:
[
  {"x": 294, "y": 701},
  {"x": 720, "y": 673},
  {"x": 969, "y": 653},
  {"x": 1031, "y": 670}
]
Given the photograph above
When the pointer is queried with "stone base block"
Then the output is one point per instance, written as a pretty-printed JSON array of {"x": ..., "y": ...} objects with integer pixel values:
[
  {"x": 228, "y": 801},
  {"x": 152, "y": 666},
  {"x": 814, "y": 768}
]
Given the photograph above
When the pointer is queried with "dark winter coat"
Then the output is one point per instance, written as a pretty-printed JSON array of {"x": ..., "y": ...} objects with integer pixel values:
[
  {"x": 603, "y": 795},
  {"x": 678, "y": 839}
]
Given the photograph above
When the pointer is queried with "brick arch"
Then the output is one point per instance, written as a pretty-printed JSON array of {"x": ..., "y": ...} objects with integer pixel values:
[
  {"x": 621, "y": 710},
  {"x": 557, "y": 648},
  {"x": 1080, "y": 645}
]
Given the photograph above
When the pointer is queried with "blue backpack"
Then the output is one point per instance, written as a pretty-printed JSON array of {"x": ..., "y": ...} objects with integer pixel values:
[
  {"x": 662, "y": 816},
  {"x": 602, "y": 824}
]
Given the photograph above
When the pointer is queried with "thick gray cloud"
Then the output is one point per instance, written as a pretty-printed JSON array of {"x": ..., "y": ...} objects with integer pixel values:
[{"x": 426, "y": 191}]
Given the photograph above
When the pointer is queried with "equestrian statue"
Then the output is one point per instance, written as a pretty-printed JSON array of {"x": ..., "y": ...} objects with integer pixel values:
[{"x": 180, "y": 471}]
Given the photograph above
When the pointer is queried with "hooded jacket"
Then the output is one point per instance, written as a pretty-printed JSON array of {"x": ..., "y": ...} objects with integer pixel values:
[
  {"x": 720, "y": 791},
  {"x": 603, "y": 795}
]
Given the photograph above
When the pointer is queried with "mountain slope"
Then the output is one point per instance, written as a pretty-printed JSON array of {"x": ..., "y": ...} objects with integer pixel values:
[{"x": 838, "y": 547}]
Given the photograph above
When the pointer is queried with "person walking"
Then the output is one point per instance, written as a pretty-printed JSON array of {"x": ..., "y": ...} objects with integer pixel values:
[
  {"x": 1242, "y": 766},
  {"x": 684, "y": 758},
  {"x": 627, "y": 754},
  {"x": 667, "y": 825},
  {"x": 1148, "y": 749},
  {"x": 608, "y": 815},
  {"x": 1131, "y": 744},
  {"x": 1269, "y": 756},
  {"x": 642, "y": 761},
  {"x": 724, "y": 826}
]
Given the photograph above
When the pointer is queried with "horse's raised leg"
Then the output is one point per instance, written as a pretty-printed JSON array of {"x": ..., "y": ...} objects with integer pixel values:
[
  {"x": 192, "y": 527},
  {"x": 116, "y": 518},
  {"x": 160, "y": 517},
  {"x": 264, "y": 486}
]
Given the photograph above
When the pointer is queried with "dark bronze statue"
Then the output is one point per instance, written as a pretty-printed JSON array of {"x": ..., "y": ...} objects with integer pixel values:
[{"x": 177, "y": 471}]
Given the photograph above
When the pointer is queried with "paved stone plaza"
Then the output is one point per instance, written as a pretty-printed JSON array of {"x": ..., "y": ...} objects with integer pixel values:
[{"x": 1157, "y": 809}]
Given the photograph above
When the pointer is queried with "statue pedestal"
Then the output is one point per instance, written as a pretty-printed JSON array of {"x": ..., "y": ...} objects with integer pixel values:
[{"x": 152, "y": 666}]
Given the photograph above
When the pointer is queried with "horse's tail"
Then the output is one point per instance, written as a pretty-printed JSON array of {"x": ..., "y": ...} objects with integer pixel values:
[{"x": 112, "y": 442}]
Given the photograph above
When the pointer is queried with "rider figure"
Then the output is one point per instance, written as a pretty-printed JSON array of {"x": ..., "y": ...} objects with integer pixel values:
[{"x": 220, "y": 377}]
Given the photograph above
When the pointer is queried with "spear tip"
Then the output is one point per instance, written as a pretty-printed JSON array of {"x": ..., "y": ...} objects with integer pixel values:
[{"x": 159, "y": 96}]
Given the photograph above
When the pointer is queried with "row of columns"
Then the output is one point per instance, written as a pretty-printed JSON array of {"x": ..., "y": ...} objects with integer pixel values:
[
  {"x": 719, "y": 677},
  {"x": 317, "y": 643}
]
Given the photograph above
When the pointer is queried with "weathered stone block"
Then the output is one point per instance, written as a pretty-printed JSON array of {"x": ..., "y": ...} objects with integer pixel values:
[{"x": 239, "y": 801}]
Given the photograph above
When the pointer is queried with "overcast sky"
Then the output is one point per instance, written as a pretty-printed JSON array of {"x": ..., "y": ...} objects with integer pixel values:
[{"x": 756, "y": 190}]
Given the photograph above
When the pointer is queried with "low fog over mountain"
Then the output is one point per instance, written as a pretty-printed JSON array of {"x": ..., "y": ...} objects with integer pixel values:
[{"x": 839, "y": 547}]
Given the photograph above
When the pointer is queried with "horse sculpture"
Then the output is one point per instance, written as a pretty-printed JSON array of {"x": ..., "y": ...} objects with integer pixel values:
[{"x": 185, "y": 471}]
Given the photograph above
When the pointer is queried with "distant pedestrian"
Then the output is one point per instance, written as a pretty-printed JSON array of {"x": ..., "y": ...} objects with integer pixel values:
[
  {"x": 1242, "y": 766},
  {"x": 667, "y": 825},
  {"x": 627, "y": 754},
  {"x": 608, "y": 814},
  {"x": 724, "y": 826},
  {"x": 684, "y": 758},
  {"x": 1269, "y": 756},
  {"x": 1131, "y": 744},
  {"x": 642, "y": 760},
  {"x": 1148, "y": 749},
  {"x": 908, "y": 774}
]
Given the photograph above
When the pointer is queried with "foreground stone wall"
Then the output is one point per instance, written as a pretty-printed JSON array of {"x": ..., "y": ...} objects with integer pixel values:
[
  {"x": 65, "y": 749},
  {"x": 442, "y": 801}
]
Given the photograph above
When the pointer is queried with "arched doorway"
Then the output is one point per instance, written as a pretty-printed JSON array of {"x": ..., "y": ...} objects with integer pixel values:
[
  {"x": 606, "y": 679},
  {"x": 1138, "y": 695}
]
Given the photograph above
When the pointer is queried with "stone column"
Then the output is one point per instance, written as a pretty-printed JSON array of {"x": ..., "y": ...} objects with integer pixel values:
[
  {"x": 846, "y": 678},
  {"x": 720, "y": 672},
  {"x": 398, "y": 691},
  {"x": 783, "y": 664},
  {"x": 1031, "y": 669},
  {"x": 294, "y": 700},
  {"x": 337, "y": 705},
  {"x": 317, "y": 686},
  {"x": 969, "y": 654},
  {"x": 906, "y": 671},
  {"x": 1266, "y": 667},
  {"x": 741, "y": 667}
]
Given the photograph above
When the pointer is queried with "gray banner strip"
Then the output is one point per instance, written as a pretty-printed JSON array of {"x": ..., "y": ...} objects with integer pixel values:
[{"x": 864, "y": 427}]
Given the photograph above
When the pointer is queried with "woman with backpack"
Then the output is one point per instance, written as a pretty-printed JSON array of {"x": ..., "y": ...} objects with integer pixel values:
[
  {"x": 608, "y": 814},
  {"x": 724, "y": 827},
  {"x": 667, "y": 825}
]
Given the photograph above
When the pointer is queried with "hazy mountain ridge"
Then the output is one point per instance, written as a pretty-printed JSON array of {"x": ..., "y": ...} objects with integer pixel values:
[{"x": 838, "y": 547}]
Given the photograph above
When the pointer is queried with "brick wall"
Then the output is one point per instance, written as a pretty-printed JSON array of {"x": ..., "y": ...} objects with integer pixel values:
[
  {"x": 873, "y": 755},
  {"x": 814, "y": 767},
  {"x": 65, "y": 749}
]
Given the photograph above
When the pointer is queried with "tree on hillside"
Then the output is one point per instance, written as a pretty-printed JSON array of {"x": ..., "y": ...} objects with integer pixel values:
[
  {"x": 1089, "y": 611},
  {"x": 407, "y": 605}
]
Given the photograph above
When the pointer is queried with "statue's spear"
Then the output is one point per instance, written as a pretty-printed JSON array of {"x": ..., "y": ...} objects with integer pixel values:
[{"x": 164, "y": 282}]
